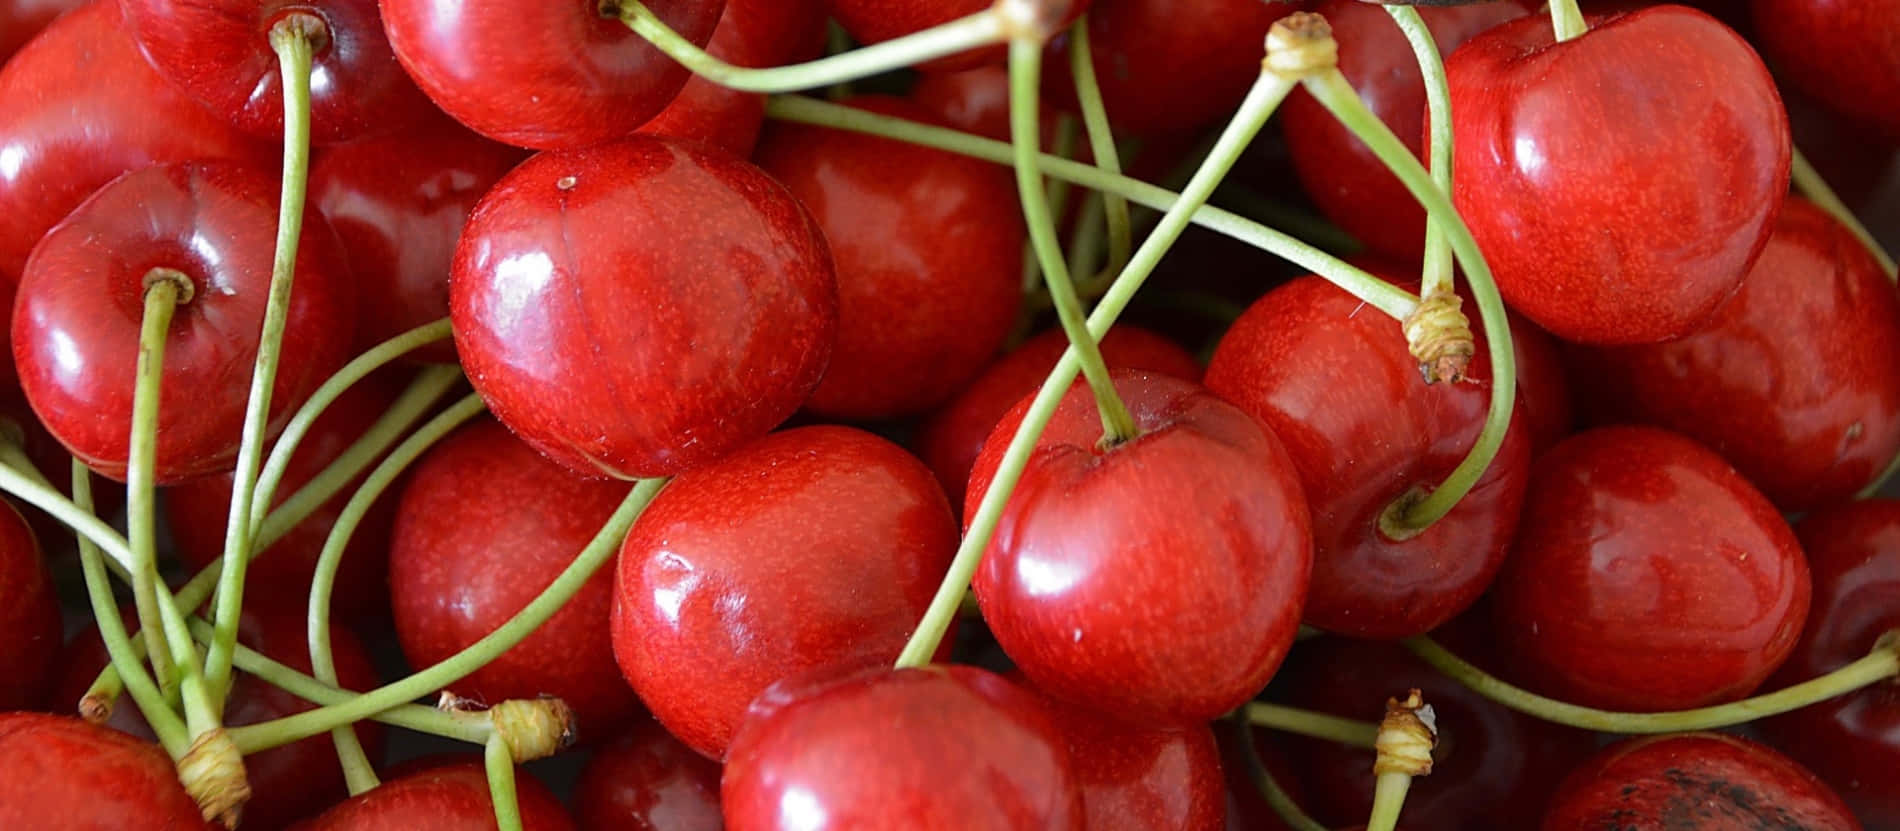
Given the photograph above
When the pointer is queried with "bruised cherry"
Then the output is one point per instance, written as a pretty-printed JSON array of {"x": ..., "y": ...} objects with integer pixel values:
[
  {"x": 646, "y": 780},
  {"x": 449, "y": 796},
  {"x": 60, "y": 772},
  {"x": 1705, "y": 781},
  {"x": 29, "y": 614}
]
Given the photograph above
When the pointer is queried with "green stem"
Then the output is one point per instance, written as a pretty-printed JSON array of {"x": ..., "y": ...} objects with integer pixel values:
[
  {"x": 1566, "y": 19},
  {"x": 1262, "y": 100},
  {"x": 1881, "y": 664},
  {"x": 837, "y": 42},
  {"x": 1388, "y": 797},
  {"x": 265, "y": 735},
  {"x": 20, "y": 479},
  {"x": 983, "y": 28},
  {"x": 1085, "y": 245},
  {"x": 1270, "y": 790},
  {"x": 1316, "y": 725},
  {"x": 1059, "y": 192},
  {"x": 1809, "y": 183},
  {"x": 1314, "y": 229},
  {"x": 1088, "y": 91},
  {"x": 500, "y": 762},
  {"x": 1437, "y": 275},
  {"x": 164, "y": 288}
]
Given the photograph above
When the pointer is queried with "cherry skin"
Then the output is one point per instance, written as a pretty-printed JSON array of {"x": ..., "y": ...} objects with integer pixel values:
[
  {"x": 974, "y": 100},
  {"x": 82, "y": 108},
  {"x": 1339, "y": 387},
  {"x": 1247, "y": 808},
  {"x": 928, "y": 247},
  {"x": 29, "y": 614},
  {"x": 1159, "y": 580},
  {"x": 60, "y": 772},
  {"x": 645, "y": 780},
  {"x": 20, "y": 20},
  {"x": 876, "y": 21},
  {"x": 484, "y": 525},
  {"x": 756, "y": 33},
  {"x": 1345, "y": 180},
  {"x": 1620, "y": 183},
  {"x": 1844, "y": 52},
  {"x": 809, "y": 552},
  {"x": 451, "y": 796},
  {"x": 1706, "y": 781},
  {"x": 1796, "y": 381},
  {"x": 1648, "y": 575},
  {"x": 724, "y": 307},
  {"x": 1142, "y": 778},
  {"x": 953, "y": 437},
  {"x": 56, "y": 539},
  {"x": 76, "y": 320},
  {"x": 1851, "y": 741},
  {"x": 542, "y": 74},
  {"x": 938, "y": 747}
]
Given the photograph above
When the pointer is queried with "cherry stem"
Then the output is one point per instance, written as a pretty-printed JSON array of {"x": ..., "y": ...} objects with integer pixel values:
[
  {"x": 1261, "y": 101},
  {"x": 983, "y": 28},
  {"x": 1088, "y": 92},
  {"x": 837, "y": 42},
  {"x": 1270, "y": 790},
  {"x": 1881, "y": 664},
  {"x": 1407, "y": 736},
  {"x": 262, "y": 736},
  {"x": 163, "y": 290},
  {"x": 20, "y": 479},
  {"x": 500, "y": 763},
  {"x": 1567, "y": 20},
  {"x": 1437, "y": 274},
  {"x": 1388, "y": 798},
  {"x": 1059, "y": 192},
  {"x": 1346, "y": 731},
  {"x": 1808, "y": 181}
]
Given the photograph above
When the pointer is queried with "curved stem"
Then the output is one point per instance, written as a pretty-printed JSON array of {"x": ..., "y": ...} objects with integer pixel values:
[
  {"x": 1088, "y": 91},
  {"x": 1270, "y": 789},
  {"x": 1058, "y": 192},
  {"x": 20, "y": 479},
  {"x": 1566, "y": 19},
  {"x": 1388, "y": 796},
  {"x": 1262, "y": 100},
  {"x": 1437, "y": 275},
  {"x": 1809, "y": 183},
  {"x": 162, "y": 293},
  {"x": 983, "y": 28},
  {"x": 1882, "y": 664},
  {"x": 500, "y": 763},
  {"x": 1350, "y": 732}
]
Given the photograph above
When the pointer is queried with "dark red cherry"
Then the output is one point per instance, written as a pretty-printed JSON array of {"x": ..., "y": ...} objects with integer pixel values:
[
  {"x": 938, "y": 747},
  {"x": 640, "y": 308},
  {"x": 756, "y": 33},
  {"x": 1796, "y": 381},
  {"x": 812, "y": 552},
  {"x": 1247, "y": 808},
  {"x": 1144, "y": 778},
  {"x": 1543, "y": 392},
  {"x": 1844, "y": 52},
  {"x": 60, "y": 772},
  {"x": 928, "y": 247},
  {"x": 449, "y": 796},
  {"x": 82, "y": 108},
  {"x": 645, "y": 780},
  {"x": 483, "y": 527},
  {"x": 1704, "y": 781},
  {"x": 76, "y": 321},
  {"x": 543, "y": 73},
  {"x": 876, "y": 21},
  {"x": 1201, "y": 518},
  {"x": 29, "y": 614},
  {"x": 1852, "y": 741},
  {"x": 20, "y": 20},
  {"x": 1620, "y": 183},
  {"x": 974, "y": 100},
  {"x": 1647, "y": 575},
  {"x": 1345, "y": 180},
  {"x": 1340, "y": 388}
]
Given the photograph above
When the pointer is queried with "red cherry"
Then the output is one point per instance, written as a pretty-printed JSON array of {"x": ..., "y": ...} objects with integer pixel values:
[
  {"x": 1543, "y": 392},
  {"x": 640, "y": 308},
  {"x": 810, "y": 552},
  {"x": 1159, "y": 580},
  {"x": 484, "y": 525},
  {"x": 20, "y": 20},
  {"x": 1142, "y": 778},
  {"x": 29, "y": 614},
  {"x": 1796, "y": 381},
  {"x": 1247, "y": 808},
  {"x": 1852, "y": 741},
  {"x": 56, "y": 539},
  {"x": 941, "y": 747},
  {"x": 1648, "y": 575},
  {"x": 1345, "y": 180},
  {"x": 756, "y": 33},
  {"x": 76, "y": 321},
  {"x": 645, "y": 780},
  {"x": 1705, "y": 781},
  {"x": 82, "y": 108},
  {"x": 1339, "y": 387},
  {"x": 974, "y": 100},
  {"x": 60, "y": 772},
  {"x": 441, "y": 797},
  {"x": 928, "y": 247},
  {"x": 1844, "y": 52},
  {"x": 1620, "y": 183},
  {"x": 543, "y": 74}
]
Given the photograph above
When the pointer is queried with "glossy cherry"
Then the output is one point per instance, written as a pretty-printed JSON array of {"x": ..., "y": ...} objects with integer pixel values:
[
  {"x": 1648, "y": 575},
  {"x": 973, "y": 100},
  {"x": 449, "y": 796},
  {"x": 543, "y": 74},
  {"x": 645, "y": 780},
  {"x": 1796, "y": 381},
  {"x": 76, "y": 321},
  {"x": 808, "y": 553},
  {"x": 483, "y": 527},
  {"x": 1844, "y": 52},
  {"x": 1144, "y": 778},
  {"x": 1852, "y": 741},
  {"x": 20, "y": 20},
  {"x": 643, "y": 307},
  {"x": 1339, "y": 387},
  {"x": 1159, "y": 579},
  {"x": 1705, "y": 781},
  {"x": 1620, "y": 183},
  {"x": 756, "y": 33},
  {"x": 60, "y": 772},
  {"x": 928, "y": 248},
  {"x": 938, "y": 747},
  {"x": 29, "y": 614}
]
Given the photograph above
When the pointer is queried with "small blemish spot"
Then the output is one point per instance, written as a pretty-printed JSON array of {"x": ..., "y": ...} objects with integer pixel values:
[{"x": 567, "y": 182}]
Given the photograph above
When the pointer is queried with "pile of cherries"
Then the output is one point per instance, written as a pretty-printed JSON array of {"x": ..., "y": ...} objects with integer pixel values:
[{"x": 662, "y": 375}]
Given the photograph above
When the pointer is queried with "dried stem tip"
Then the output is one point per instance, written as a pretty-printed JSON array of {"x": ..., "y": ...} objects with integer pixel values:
[
  {"x": 212, "y": 771},
  {"x": 534, "y": 729},
  {"x": 1406, "y": 737},
  {"x": 1301, "y": 44},
  {"x": 1439, "y": 335}
]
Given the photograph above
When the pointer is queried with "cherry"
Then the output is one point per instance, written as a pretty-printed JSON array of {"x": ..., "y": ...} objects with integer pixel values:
[
  {"x": 1339, "y": 387},
  {"x": 1159, "y": 579},
  {"x": 1796, "y": 381},
  {"x": 543, "y": 74},
  {"x": 645, "y": 780},
  {"x": 951, "y": 439},
  {"x": 76, "y": 321},
  {"x": 20, "y": 20},
  {"x": 973, "y": 100},
  {"x": 60, "y": 772},
  {"x": 1136, "y": 778},
  {"x": 1247, "y": 808},
  {"x": 56, "y": 540},
  {"x": 451, "y": 796},
  {"x": 928, "y": 247},
  {"x": 1543, "y": 392},
  {"x": 1633, "y": 233},
  {"x": 82, "y": 108},
  {"x": 1706, "y": 781},
  {"x": 29, "y": 614},
  {"x": 1844, "y": 52},
  {"x": 858, "y": 534},
  {"x": 1340, "y": 173},
  {"x": 1852, "y": 741},
  {"x": 755, "y": 33},
  {"x": 723, "y": 305},
  {"x": 938, "y": 747},
  {"x": 1648, "y": 575},
  {"x": 483, "y": 526}
]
